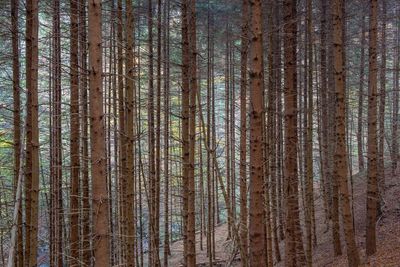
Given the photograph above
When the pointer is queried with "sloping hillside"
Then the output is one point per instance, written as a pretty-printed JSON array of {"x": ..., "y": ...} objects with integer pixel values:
[{"x": 388, "y": 234}]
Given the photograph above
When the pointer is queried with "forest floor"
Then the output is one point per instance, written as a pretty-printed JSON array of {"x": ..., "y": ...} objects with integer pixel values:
[{"x": 388, "y": 233}]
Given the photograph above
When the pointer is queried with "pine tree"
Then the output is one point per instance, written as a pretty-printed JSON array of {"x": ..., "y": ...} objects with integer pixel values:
[
  {"x": 256, "y": 210},
  {"x": 97, "y": 141}
]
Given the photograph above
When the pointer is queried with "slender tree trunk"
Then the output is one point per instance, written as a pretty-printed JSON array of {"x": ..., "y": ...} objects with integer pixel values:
[
  {"x": 372, "y": 186},
  {"x": 158, "y": 133},
  {"x": 361, "y": 100},
  {"x": 85, "y": 206},
  {"x": 74, "y": 140},
  {"x": 19, "y": 255},
  {"x": 294, "y": 254},
  {"x": 130, "y": 136},
  {"x": 332, "y": 143},
  {"x": 227, "y": 126},
  {"x": 166, "y": 66},
  {"x": 325, "y": 178},
  {"x": 340, "y": 164},
  {"x": 99, "y": 185},
  {"x": 191, "y": 223},
  {"x": 256, "y": 225},
  {"x": 32, "y": 156},
  {"x": 382, "y": 103},
  {"x": 395, "y": 111},
  {"x": 154, "y": 254},
  {"x": 243, "y": 130},
  {"x": 309, "y": 182},
  {"x": 185, "y": 122}
]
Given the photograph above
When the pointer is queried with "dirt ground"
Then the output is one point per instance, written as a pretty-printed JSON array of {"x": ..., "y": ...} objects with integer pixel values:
[{"x": 388, "y": 234}]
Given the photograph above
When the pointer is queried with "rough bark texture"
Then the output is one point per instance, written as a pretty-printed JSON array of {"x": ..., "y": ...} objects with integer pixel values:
[
  {"x": 19, "y": 254},
  {"x": 32, "y": 131},
  {"x": 372, "y": 187},
  {"x": 130, "y": 136},
  {"x": 243, "y": 131},
  {"x": 360, "y": 135},
  {"x": 97, "y": 141},
  {"x": 191, "y": 224},
  {"x": 340, "y": 163},
  {"x": 256, "y": 225},
  {"x": 294, "y": 253},
  {"x": 74, "y": 140},
  {"x": 185, "y": 121}
]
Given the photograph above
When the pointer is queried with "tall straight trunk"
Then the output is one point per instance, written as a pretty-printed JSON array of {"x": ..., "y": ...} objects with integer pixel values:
[
  {"x": 395, "y": 111},
  {"x": 97, "y": 141},
  {"x": 185, "y": 122},
  {"x": 32, "y": 134},
  {"x": 276, "y": 198},
  {"x": 56, "y": 137},
  {"x": 216, "y": 215},
  {"x": 332, "y": 143},
  {"x": 227, "y": 126},
  {"x": 340, "y": 163},
  {"x": 372, "y": 185},
  {"x": 158, "y": 132},
  {"x": 153, "y": 255},
  {"x": 279, "y": 113},
  {"x": 166, "y": 67},
  {"x": 74, "y": 140},
  {"x": 191, "y": 223},
  {"x": 19, "y": 255},
  {"x": 382, "y": 103},
  {"x": 325, "y": 178},
  {"x": 232, "y": 130},
  {"x": 210, "y": 182},
  {"x": 294, "y": 254},
  {"x": 122, "y": 181},
  {"x": 130, "y": 136},
  {"x": 256, "y": 225},
  {"x": 309, "y": 182},
  {"x": 271, "y": 122},
  {"x": 361, "y": 100},
  {"x": 85, "y": 206},
  {"x": 243, "y": 129}
]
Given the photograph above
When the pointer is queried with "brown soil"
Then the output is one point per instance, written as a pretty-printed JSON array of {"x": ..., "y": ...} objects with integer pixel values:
[{"x": 388, "y": 234}]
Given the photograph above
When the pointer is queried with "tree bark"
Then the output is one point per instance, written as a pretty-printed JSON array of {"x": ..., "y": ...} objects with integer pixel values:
[
  {"x": 130, "y": 136},
  {"x": 256, "y": 225},
  {"x": 97, "y": 141},
  {"x": 361, "y": 100},
  {"x": 19, "y": 254},
  {"x": 32, "y": 138},
  {"x": 372, "y": 185},
  {"x": 243, "y": 129},
  {"x": 74, "y": 139},
  {"x": 340, "y": 163}
]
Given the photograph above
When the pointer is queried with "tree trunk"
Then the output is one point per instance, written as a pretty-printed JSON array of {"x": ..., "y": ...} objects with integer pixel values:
[
  {"x": 85, "y": 207},
  {"x": 340, "y": 163},
  {"x": 32, "y": 134},
  {"x": 243, "y": 130},
  {"x": 97, "y": 141},
  {"x": 294, "y": 254},
  {"x": 372, "y": 186},
  {"x": 395, "y": 111},
  {"x": 130, "y": 137},
  {"x": 361, "y": 100},
  {"x": 19, "y": 254},
  {"x": 185, "y": 122},
  {"x": 256, "y": 225},
  {"x": 74, "y": 140},
  {"x": 382, "y": 103},
  {"x": 191, "y": 223}
]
